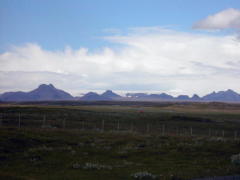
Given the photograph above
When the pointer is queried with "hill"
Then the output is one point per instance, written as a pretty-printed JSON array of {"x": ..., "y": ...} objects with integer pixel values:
[{"x": 42, "y": 93}]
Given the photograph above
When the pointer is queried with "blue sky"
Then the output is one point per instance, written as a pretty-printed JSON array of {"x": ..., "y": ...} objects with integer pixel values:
[
  {"x": 80, "y": 23},
  {"x": 173, "y": 46}
]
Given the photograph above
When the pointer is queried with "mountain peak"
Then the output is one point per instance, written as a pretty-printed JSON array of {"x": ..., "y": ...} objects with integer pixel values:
[
  {"x": 91, "y": 96},
  {"x": 228, "y": 95},
  {"x": 49, "y": 92},
  {"x": 109, "y": 94},
  {"x": 108, "y": 91},
  {"x": 230, "y": 91},
  {"x": 44, "y": 92},
  {"x": 91, "y": 93},
  {"x": 195, "y": 97},
  {"x": 106, "y": 96},
  {"x": 46, "y": 86},
  {"x": 183, "y": 97}
]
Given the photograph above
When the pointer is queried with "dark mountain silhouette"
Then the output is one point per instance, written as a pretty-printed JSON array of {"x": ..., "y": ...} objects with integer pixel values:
[
  {"x": 183, "y": 98},
  {"x": 91, "y": 96},
  {"x": 42, "y": 93},
  {"x": 227, "y": 96},
  {"x": 110, "y": 95},
  {"x": 165, "y": 96},
  {"x": 222, "y": 96},
  {"x": 50, "y": 93},
  {"x": 106, "y": 96},
  {"x": 162, "y": 96},
  {"x": 195, "y": 97}
]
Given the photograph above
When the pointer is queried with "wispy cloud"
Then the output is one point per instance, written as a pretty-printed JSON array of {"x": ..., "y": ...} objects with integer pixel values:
[
  {"x": 150, "y": 59},
  {"x": 228, "y": 18}
]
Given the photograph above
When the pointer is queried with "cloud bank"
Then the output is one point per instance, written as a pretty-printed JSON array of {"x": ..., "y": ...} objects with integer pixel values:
[
  {"x": 148, "y": 60},
  {"x": 229, "y": 18}
]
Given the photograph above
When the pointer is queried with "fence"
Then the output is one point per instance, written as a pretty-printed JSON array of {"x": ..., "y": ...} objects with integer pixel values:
[{"x": 39, "y": 120}]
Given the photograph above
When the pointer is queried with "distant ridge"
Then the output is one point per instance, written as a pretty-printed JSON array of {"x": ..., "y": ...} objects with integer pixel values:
[
  {"x": 106, "y": 96},
  {"x": 221, "y": 96},
  {"x": 228, "y": 95},
  {"x": 42, "y": 93},
  {"x": 91, "y": 96},
  {"x": 49, "y": 93}
]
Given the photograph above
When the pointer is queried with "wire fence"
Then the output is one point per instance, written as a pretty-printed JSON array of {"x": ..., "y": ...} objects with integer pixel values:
[{"x": 65, "y": 121}]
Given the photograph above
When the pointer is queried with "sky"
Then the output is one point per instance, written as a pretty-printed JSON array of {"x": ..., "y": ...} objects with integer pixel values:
[{"x": 171, "y": 46}]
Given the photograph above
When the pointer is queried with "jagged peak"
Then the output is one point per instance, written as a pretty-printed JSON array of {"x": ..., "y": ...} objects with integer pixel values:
[
  {"x": 91, "y": 93},
  {"x": 230, "y": 90},
  {"x": 46, "y": 86},
  {"x": 109, "y": 93},
  {"x": 195, "y": 97}
]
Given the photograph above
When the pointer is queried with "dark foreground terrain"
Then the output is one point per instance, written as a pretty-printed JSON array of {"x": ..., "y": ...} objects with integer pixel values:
[{"x": 117, "y": 141}]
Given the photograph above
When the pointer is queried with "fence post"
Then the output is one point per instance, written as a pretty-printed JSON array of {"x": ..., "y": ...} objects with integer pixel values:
[
  {"x": 19, "y": 120},
  {"x": 103, "y": 125},
  {"x": 191, "y": 132},
  {"x": 83, "y": 125},
  {"x": 118, "y": 125},
  {"x": 163, "y": 130},
  {"x": 44, "y": 121},
  {"x": 64, "y": 123}
]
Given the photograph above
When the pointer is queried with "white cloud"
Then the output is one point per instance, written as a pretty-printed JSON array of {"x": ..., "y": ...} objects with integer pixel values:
[
  {"x": 229, "y": 18},
  {"x": 156, "y": 60}
]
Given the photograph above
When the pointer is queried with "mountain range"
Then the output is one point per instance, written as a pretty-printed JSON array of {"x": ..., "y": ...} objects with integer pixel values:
[
  {"x": 46, "y": 92},
  {"x": 106, "y": 96}
]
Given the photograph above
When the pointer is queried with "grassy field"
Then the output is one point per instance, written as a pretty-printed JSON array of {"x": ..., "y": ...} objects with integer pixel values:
[{"x": 116, "y": 141}]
